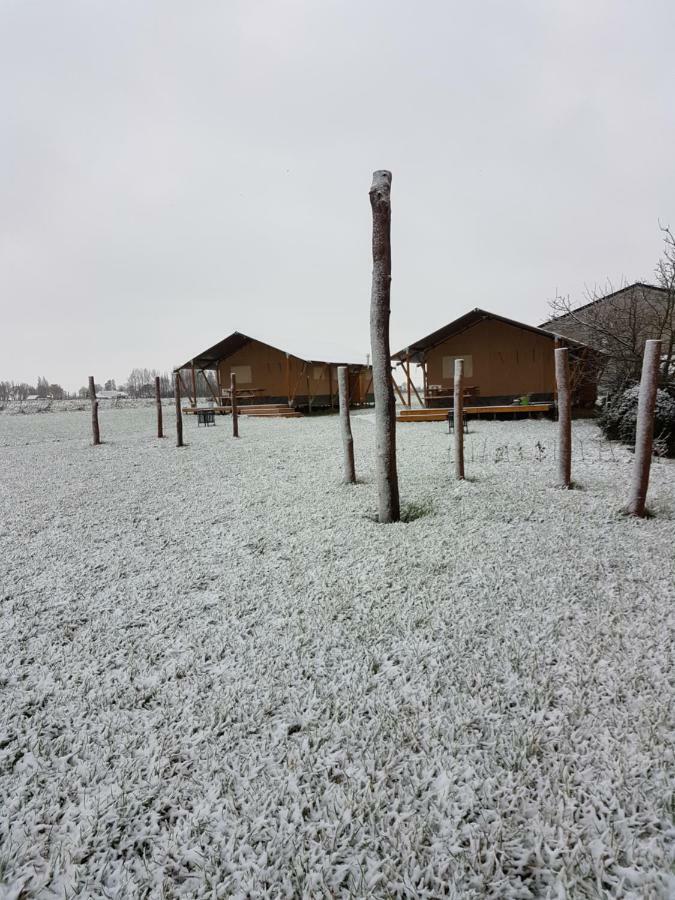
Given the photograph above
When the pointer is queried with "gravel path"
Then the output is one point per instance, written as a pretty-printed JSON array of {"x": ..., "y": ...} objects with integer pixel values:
[{"x": 220, "y": 677}]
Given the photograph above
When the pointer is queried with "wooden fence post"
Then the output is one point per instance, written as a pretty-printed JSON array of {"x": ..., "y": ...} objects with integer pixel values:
[
  {"x": 233, "y": 403},
  {"x": 385, "y": 407},
  {"x": 94, "y": 412},
  {"x": 347, "y": 439},
  {"x": 562, "y": 380},
  {"x": 179, "y": 411},
  {"x": 458, "y": 418},
  {"x": 644, "y": 433},
  {"x": 158, "y": 403}
]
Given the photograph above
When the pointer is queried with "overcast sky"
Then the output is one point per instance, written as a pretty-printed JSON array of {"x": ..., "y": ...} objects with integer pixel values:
[{"x": 171, "y": 172}]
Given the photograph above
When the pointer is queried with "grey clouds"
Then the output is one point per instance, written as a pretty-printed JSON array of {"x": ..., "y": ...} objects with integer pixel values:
[{"x": 171, "y": 172}]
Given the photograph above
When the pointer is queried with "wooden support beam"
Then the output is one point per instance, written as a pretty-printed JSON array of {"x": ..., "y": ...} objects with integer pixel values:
[
  {"x": 194, "y": 383},
  {"x": 396, "y": 388},
  {"x": 406, "y": 369},
  {"x": 208, "y": 384},
  {"x": 182, "y": 383},
  {"x": 411, "y": 384},
  {"x": 330, "y": 385}
]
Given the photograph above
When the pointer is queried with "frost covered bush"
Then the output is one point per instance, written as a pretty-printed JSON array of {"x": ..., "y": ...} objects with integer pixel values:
[{"x": 619, "y": 416}]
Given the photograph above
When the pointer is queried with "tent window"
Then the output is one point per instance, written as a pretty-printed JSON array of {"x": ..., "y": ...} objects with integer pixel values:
[
  {"x": 243, "y": 374},
  {"x": 449, "y": 366}
]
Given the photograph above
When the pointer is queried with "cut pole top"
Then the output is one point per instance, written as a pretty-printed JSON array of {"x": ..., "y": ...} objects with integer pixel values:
[{"x": 381, "y": 186}]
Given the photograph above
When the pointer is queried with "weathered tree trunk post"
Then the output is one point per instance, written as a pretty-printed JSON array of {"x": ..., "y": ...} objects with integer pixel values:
[
  {"x": 562, "y": 380},
  {"x": 347, "y": 439},
  {"x": 644, "y": 434},
  {"x": 385, "y": 407},
  {"x": 458, "y": 418},
  {"x": 179, "y": 411},
  {"x": 233, "y": 403},
  {"x": 94, "y": 412},
  {"x": 158, "y": 404}
]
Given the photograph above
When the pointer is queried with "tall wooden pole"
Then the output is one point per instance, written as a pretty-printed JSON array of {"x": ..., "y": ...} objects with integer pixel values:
[
  {"x": 644, "y": 434},
  {"x": 96, "y": 433},
  {"x": 158, "y": 403},
  {"x": 385, "y": 407},
  {"x": 562, "y": 380},
  {"x": 458, "y": 418},
  {"x": 179, "y": 411},
  {"x": 407, "y": 374},
  {"x": 233, "y": 403},
  {"x": 347, "y": 439}
]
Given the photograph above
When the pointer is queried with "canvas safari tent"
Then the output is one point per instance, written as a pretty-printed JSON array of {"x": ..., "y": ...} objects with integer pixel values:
[
  {"x": 267, "y": 375},
  {"x": 504, "y": 360}
]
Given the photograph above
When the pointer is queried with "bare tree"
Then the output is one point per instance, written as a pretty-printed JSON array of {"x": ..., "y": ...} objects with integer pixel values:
[
  {"x": 380, "y": 305},
  {"x": 619, "y": 322}
]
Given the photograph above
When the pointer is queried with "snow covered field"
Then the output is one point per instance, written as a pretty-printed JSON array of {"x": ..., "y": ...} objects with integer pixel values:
[{"x": 220, "y": 677}]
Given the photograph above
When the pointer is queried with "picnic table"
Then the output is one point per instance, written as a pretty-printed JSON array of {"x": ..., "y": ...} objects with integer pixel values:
[
  {"x": 242, "y": 393},
  {"x": 436, "y": 392}
]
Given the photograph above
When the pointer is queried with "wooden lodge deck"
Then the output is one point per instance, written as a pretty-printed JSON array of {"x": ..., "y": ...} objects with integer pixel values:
[
  {"x": 261, "y": 410},
  {"x": 440, "y": 414}
]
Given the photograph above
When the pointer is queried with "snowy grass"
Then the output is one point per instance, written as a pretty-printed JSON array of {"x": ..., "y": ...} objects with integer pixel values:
[{"x": 220, "y": 678}]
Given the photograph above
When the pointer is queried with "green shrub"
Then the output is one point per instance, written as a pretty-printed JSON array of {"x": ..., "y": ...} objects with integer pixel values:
[{"x": 619, "y": 416}]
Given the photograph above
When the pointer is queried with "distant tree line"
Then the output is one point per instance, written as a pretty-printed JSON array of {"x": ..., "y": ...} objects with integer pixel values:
[
  {"x": 12, "y": 390},
  {"x": 140, "y": 383}
]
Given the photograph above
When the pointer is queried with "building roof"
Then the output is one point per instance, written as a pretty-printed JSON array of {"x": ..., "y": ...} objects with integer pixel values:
[
  {"x": 468, "y": 320},
  {"x": 629, "y": 287},
  {"x": 209, "y": 358}
]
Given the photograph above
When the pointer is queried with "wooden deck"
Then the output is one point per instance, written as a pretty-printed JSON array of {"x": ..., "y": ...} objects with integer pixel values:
[
  {"x": 262, "y": 410},
  {"x": 440, "y": 414}
]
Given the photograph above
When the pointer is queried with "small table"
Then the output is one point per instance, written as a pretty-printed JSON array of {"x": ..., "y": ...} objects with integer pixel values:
[{"x": 206, "y": 417}]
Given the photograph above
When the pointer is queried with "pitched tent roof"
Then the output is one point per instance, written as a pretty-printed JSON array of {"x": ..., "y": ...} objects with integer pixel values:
[
  {"x": 629, "y": 287},
  {"x": 235, "y": 341},
  {"x": 468, "y": 320}
]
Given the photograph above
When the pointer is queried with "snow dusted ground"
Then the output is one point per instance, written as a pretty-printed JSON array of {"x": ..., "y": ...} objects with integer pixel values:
[{"x": 220, "y": 678}]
